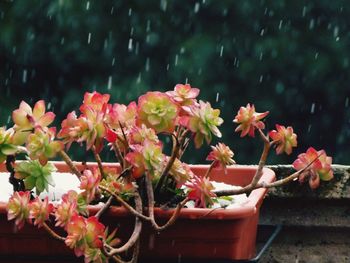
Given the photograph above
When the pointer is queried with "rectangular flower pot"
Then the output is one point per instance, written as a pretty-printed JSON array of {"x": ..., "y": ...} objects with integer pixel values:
[{"x": 197, "y": 234}]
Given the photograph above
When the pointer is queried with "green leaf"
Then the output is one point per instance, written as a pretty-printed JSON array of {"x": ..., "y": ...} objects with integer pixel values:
[
  {"x": 29, "y": 182},
  {"x": 8, "y": 149}
]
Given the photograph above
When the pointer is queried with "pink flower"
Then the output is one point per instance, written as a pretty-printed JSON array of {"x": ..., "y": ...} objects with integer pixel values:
[
  {"x": 76, "y": 230},
  {"x": 84, "y": 234},
  {"x": 181, "y": 172},
  {"x": 42, "y": 146},
  {"x": 320, "y": 168},
  {"x": 221, "y": 155},
  {"x": 138, "y": 135},
  {"x": 203, "y": 121},
  {"x": 156, "y": 110},
  {"x": 199, "y": 190},
  {"x": 95, "y": 101},
  {"x": 249, "y": 120},
  {"x": 40, "y": 210},
  {"x": 120, "y": 114},
  {"x": 26, "y": 119},
  {"x": 67, "y": 209},
  {"x": 89, "y": 182},
  {"x": 284, "y": 138},
  {"x": 18, "y": 208},
  {"x": 183, "y": 94}
]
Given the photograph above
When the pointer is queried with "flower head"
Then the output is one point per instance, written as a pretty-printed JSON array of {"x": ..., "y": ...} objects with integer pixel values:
[
  {"x": 199, "y": 190},
  {"x": 35, "y": 175},
  {"x": 249, "y": 120},
  {"x": 319, "y": 167},
  {"x": 66, "y": 209},
  {"x": 95, "y": 101},
  {"x": 221, "y": 155},
  {"x": 156, "y": 110},
  {"x": 40, "y": 210},
  {"x": 18, "y": 208},
  {"x": 89, "y": 182},
  {"x": 42, "y": 146},
  {"x": 284, "y": 138},
  {"x": 183, "y": 94},
  {"x": 203, "y": 120},
  {"x": 6, "y": 145},
  {"x": 120, "y": 114},
  {"x": 181, "y": 172},
  {"x": 26, "y": 119}
]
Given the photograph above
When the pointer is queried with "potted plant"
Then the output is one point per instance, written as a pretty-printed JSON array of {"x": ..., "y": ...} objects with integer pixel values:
[{"x": 146, "y": 195}]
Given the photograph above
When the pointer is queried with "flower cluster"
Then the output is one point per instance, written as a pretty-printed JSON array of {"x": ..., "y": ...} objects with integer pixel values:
[{"x": 147, "y": 174}]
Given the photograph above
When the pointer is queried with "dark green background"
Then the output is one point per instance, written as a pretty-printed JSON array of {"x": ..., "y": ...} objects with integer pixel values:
[{"x": 289, "y": 57}]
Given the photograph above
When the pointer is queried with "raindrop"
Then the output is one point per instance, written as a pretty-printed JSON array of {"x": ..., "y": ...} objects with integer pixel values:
[
  {"x": 147, "y": 64},
  {"x": 196, "y": 7},
  {"x": 221, "y": 51},
  {"x": 130, "y": 11},
  {"x": 347, "y": 102},
  {"x": 261, "y": 78},
  {"x": 89, "y": 38},
  {"x": 163, "y": 5},
  {"x": 112, "y": 10},
  {"x": 176, "y": 59},
  {"x": 309, "y": 128},
  {"x": 105, "y": 44},
  {"x": 186, "y": 81},
  {"x": 337, "y": 39},
  {"x": 148, "y": 28},
  {"x": 130, "y": 45},
  {"x": 217, "y": 97},
  {"x": 312, "y": 111},
  {"x": 182, "y": 50},
  {"x": 6, "y": 82},
  {"x": 316, "y": 55},
  {"x": 14, "y": 49},
  {"x": 203, "y": 1},
  {"x": 24, "y": 76},
  {"x": 167, "y": 67},
  {"x": 131, "y": 31},
  {"x": 138, "y": 80},
  {"x": 335, "y": 31},
  {"x": 261, "y": 56},
  {"x": 62, "y": 40},
  {"x": 109, "y": 85},
  {"x": 304, "y": 11},
  {"x": 87, "y": 5},
  {"x": 280, "y": 24},
  {"x": 312, "y": 24},
  {"x": 262, "y": 32},
  {"x": 200, "y": 71},
  {"x": 49, "y": 105},
  {"x": 113, "y": 61},
  {"x": 8, "y": 119}
]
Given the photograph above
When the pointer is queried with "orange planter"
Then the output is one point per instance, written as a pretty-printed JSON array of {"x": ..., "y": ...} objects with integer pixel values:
[{"x": 197, "y": 234}]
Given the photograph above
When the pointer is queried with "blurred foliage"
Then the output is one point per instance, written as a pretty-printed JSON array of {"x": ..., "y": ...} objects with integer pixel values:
[{"x": 289, "y": 57}]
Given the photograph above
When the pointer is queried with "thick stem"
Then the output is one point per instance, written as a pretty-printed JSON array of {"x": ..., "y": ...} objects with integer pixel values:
[
  {"x": 70, "y": 163},
  {"x": 104, "y": 207},
  {"x": 118, "y": 155},
  {"x": 150, "y": 197},
  {"x": 135, "y": 235},
  {"x": 209, "y": 169},
  {"x": 263, "y": 158},
  {"x": 174, "y": 154},
  {"x": 125, "y": 204},
  {"x": 99, "y": 161},
  {"x": 17, "y": 184},
  {"x": 251, "y": 187},
  {"x": 53, "y": 233}
]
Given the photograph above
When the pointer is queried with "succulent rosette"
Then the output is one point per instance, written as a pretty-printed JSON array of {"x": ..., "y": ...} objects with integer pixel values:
[
  {"x": 284, "y": 138},
  {"x": 249, "y": 120},
  {"x": 203, "y": 121},
  {"x": 26, "y": 119},
  {"x": 35, "y": 175},
  {"x": 18, "y": 208},
  {"x": 40, "y": 210},
  {"x": 221, "y": 155},
  {"x": 6, "y": 145},
  {"x": 157, "y": 111},
  {"x": 317, "y": 165}
]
